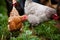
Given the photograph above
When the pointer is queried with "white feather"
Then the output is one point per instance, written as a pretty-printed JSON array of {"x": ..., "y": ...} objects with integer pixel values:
[{"x": 37, "y": 13}]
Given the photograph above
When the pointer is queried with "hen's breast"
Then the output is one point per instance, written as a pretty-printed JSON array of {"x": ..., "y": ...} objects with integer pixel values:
[{"x": 15, "y": 23}]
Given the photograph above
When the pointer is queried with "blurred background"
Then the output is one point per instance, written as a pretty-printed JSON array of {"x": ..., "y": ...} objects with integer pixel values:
[{"x": 44, "y": 31}]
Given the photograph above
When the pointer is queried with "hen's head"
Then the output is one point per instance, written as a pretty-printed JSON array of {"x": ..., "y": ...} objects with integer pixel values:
[{"x": 24, "y": 18}]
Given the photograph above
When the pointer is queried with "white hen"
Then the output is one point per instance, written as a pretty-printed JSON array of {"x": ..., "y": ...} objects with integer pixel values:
[{"x": 37, "y": 13}]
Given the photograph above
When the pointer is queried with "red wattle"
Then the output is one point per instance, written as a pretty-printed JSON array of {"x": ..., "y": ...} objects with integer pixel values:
[{"x": 55, "y": 17}]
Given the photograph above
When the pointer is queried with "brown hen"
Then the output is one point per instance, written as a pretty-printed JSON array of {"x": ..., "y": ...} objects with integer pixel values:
[{"x": 15, "y": 21}]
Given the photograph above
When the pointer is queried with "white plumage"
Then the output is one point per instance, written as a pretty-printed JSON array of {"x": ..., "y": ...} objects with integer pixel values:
[{"x": 37, "y": 13}]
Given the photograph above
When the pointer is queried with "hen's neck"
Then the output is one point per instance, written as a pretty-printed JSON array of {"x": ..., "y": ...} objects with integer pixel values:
[{"x": 14, "y": 12}]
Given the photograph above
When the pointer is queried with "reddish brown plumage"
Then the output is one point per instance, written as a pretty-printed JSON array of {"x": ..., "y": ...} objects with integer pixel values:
[{"x": 15, "y": 21}]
